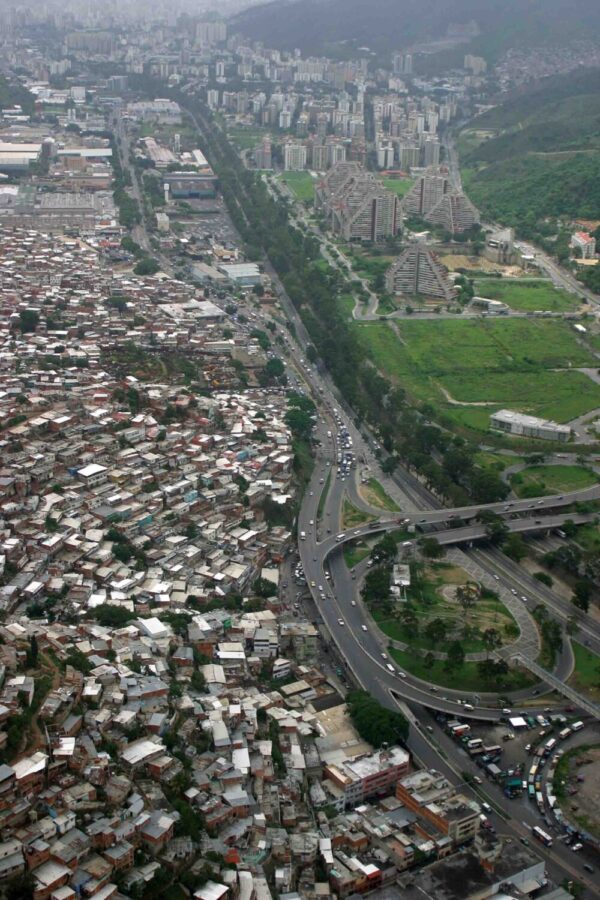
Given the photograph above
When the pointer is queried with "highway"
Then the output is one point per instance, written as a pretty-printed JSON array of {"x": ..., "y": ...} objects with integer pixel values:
[{"x": 361, "y": 649}]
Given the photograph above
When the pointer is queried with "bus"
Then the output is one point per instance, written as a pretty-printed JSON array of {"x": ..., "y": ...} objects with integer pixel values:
[
  {"x": 541, "y": 836},
  {"x": 531, "y": 791},
  {"x": 576, "y": 726},
  {"x": 550, "y": 745},
  {"x": 494, "y": 750},
  {"x": 564, "y": 734},
  {"x": 474, "y": 743}
]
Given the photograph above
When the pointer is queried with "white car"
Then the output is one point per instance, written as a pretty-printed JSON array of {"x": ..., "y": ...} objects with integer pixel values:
[
  {"x": 353, "y": 603},
  {"x": 364, "y": 627},
  {"x": 340, "y": 621}
]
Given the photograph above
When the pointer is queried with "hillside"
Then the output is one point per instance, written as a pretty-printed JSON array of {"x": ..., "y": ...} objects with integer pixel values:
[
  {"x": 319, "y": 26},
  {"x": 542, "y": 158}
]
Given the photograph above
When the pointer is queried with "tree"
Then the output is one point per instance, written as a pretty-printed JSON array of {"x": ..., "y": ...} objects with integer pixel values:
[
  {"x": 146, "y": 266},
  {"x": 375, "y": 723},
  {"x": 496, "y": 529},
  {"x": 435, "y": 631},
  {"x": 431, "y": 548},
  {"x": 28, "y": 320},
  {"x": 582, "y": 595},
  {"x": 514, "y": 547},
  {"x": 455, "y": 657},
  {"x": 274, "y": 369},
  {"x": 467, "y": 595},
  {"x": 33, "y": 650},
  {"x": 491, "y": 639}
]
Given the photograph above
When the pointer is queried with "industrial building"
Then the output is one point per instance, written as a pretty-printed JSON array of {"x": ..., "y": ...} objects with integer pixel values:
[{"x": 512, "y": 422}]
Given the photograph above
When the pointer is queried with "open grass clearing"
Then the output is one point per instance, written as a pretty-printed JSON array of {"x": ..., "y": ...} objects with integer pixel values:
[
  {"x": 246, "y": 138},
  {"x": 527, "y": 295},
  {"x": 467, "y": 678},
  {"x": 301, "y": 183},
  {"x": 355, "y": 553},
  {"x": 586, "y": 675},
  {"x": 540, "y": 481},
  {"x": 588, "y": 537},
  {"x": 375, "y": 494},
  {"x": 400, "y": 186},
  {"x": 501, "y": 363},
  {"x": 352, "y": 516}
]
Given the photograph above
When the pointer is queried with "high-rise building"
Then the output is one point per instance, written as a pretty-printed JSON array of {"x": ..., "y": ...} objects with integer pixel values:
[
  {"x": 454, "y": 212},
  {"x": 357, "y": 205},
  {"x": 385, "y": 155},
  {"x": 294, "y": 157},
  {"x": 426, "y": 192},
  {"x": 418, "y": 271},
  {"x": 431, "y": 151},
  {"x": 402, "y": 63}
]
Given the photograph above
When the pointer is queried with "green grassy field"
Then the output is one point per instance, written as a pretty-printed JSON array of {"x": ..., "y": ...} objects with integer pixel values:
[
  {"x": 588, "y": 537},
  {"x": 502, "y": 363},
  {"x": 354, "y": 553},
  {"x": 352, "y": 516},
  {"x": 301, "y": 183},
  {"x": 539, "y": 481},
  {"x": 467, "y": 678},
  {"x": 527, "y": 295},
  {"x": 586, "y": 677},
  {"x": 246, "y": 138},
  {"x": 400, "y": 186},
  {"x": 375, "y": 494}
]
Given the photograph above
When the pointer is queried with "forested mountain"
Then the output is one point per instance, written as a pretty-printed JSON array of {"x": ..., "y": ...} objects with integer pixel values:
[
  {"x": 317, "y": 26},
  {"x": 542, "y": 157}
]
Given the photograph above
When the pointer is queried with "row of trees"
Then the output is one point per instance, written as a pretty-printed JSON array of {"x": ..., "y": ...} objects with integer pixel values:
[{"x": 448, "y": 464}]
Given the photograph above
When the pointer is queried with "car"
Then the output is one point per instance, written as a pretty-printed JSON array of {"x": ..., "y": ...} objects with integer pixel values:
[
  {"x": 486, "y": 807},
  {"x": 321, "y": 481},
  {"x": 477, "y": 779},
  {"x": 576, "y": 847},
  {"x": 321, "y": 588},
  {"x": 364, "y": 627},
  {"x": 384, "y": 655},
  {"x": 312, "y": 493},
  {"x": 401, "y": 674},
  {"x": 433, "y": 690},
  {"x": 524, "y": 599},
  {"x": 313, "y": 584},
  {"x": 513, "y": 591},
  {"x": 496, "y": 577},
  {"x": 353, "y": 603},
  {"x": 340, "y": 621},
  {"x": 588, "y": 868},
  {"x": 311, "y": 522},
  {"x": 527, "y": 748},
  {"x": 524, "y": 841}
]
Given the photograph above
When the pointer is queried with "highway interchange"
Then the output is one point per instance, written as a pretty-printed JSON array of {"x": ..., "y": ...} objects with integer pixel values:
[
  {"x": 361, "y": 650},
  {"x": 360, "y": 645}
]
